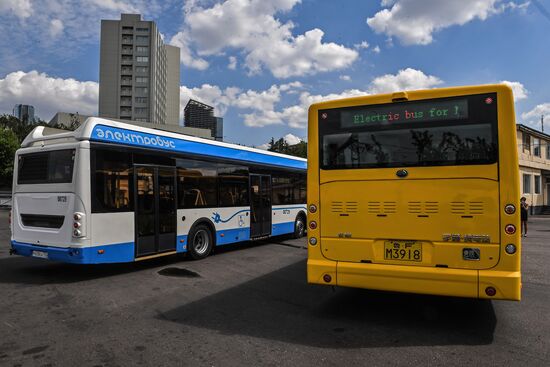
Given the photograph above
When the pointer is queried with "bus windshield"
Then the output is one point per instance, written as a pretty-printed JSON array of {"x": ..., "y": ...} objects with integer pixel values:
[{"x": 437, "y": 132}]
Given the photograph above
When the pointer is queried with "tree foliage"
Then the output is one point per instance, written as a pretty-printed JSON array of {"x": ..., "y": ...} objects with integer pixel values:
[{"x": 281, "y": 146}]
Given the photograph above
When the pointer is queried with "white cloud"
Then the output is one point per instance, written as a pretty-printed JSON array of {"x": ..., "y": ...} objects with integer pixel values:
[
  {"x": 415, "y": 21},
  {"x": 520, "y": 92},
  {"x": 56, "y": 27},
  {"x": 232, "y": 65},
  {"x": 251, "y": 26},
  {"x": 114, "y": 5},
  {"x": 361, "y": 45},
  {"x": 406, "y": 79},
  {"x": 20, "y": 8},
  {"x": 376, "y": 49},
  {"x": 533, "y": 117},
  {"x": 187, "y": 56},
  {"x": 47, "y": 94},
  {"x": 347, "y": 78},
  {"x": 260, "y": 108},
  {"x": 296, "y": 116}
]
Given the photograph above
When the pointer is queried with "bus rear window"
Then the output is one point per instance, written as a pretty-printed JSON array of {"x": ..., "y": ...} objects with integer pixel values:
[
  {"x": 46, "y": 167},
  {"x": 437, "y": 132}
]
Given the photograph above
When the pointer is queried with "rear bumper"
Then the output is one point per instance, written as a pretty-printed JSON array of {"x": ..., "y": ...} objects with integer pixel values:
[
  {"x": 122, "y": 252},
  {"x": 416, "y": 279}
]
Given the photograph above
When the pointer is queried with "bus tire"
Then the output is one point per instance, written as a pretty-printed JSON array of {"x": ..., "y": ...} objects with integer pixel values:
[
  {"x": 200, "y": 242},
  {"x": 299, "y": 226}
]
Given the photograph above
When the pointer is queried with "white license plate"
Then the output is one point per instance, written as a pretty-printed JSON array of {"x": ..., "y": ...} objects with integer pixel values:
[{"x": 40, "y": 254}]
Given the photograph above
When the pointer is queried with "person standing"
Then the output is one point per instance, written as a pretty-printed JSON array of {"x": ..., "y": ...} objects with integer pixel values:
[{"x": 524, "y": 214}]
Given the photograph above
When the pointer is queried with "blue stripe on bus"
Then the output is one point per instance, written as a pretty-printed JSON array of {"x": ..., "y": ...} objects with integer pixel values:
[
  {"x": 125, "y": 252},
  {"x": 135, "y": 138},
  {"x": 227, "y": 236},
  {"x": 282, "y": 228},
  {"x": 115, "y": 253}
]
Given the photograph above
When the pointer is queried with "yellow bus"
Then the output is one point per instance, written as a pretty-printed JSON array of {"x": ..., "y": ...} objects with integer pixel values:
[{"x": 416, "y": 192}]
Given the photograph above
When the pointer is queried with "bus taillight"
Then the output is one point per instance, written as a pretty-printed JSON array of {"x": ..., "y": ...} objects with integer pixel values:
[{"x": 510, "y": 229}]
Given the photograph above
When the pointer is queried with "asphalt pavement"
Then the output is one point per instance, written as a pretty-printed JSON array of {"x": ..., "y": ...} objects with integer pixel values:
[{"x": 250, "y": 305}]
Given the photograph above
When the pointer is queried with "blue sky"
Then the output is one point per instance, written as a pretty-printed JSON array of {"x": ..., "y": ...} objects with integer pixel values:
[{"x": 261, "y": 62}]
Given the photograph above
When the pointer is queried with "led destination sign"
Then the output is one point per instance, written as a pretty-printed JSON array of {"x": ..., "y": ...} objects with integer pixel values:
[{"x": 398, "y": 113}]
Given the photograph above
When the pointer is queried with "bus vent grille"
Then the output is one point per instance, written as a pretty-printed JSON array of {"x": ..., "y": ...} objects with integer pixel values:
[
  {"x": 423, "y": 207},
  {"x": 344, "y": 206},
  {"x": 469, "y": 208},
  {"x": 381, "y": 207}
]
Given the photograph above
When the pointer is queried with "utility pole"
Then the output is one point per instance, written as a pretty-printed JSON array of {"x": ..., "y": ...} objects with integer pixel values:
[{"x": 542, "y": 122}]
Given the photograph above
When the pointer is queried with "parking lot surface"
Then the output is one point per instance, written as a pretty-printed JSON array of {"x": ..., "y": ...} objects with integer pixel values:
[{"x": 250, "y": 305}]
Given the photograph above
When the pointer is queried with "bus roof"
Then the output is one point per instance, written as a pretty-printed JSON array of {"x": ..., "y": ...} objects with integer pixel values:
[{"x": 108, "y": 131}]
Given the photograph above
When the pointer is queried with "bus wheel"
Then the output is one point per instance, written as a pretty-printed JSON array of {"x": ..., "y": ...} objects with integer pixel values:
[
  {"x": 299, "y": 227},
  {"x": 200, "y": 242}
]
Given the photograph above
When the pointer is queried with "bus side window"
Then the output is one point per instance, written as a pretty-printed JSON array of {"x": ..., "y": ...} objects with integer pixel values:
[
  {"x": 112, "y": 180},
  {"x": 233, "y": 186},
  {"x": 197, "y": 185}
]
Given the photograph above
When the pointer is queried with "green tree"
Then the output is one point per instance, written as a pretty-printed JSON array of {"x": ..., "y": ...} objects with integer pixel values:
[
  {"x": 9, "y": 143},
  {"x": 281, "y": 146}
]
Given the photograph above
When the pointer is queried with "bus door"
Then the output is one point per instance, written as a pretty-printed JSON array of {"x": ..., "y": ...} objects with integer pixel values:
[
  {"x": 155, "y": 218},
  {"x": 260, "y": 205}
]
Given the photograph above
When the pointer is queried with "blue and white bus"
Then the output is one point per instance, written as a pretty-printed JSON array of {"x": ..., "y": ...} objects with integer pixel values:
[{"x": 114, "y": 192}]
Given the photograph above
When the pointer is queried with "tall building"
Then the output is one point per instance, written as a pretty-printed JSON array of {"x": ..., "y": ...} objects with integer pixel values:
[
  {"x": 24, "y": 112},
  {"x": 201, "y": 115},
  {"x": 138, "y": 74}
]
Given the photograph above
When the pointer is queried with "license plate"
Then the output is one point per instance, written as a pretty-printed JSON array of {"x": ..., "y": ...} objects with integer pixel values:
[
  {"x": 403, "y": 250},
  {"x": 40, "y": 254}
]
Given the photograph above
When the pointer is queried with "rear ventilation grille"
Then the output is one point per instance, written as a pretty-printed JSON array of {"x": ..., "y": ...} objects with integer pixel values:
[
  {"x": 42, "y": 220},
  {"x": 467, "y": 207},
  {"x": 381, "y": 207},
  {"x": 344, "y": 207},
  {"x": 423, "y": 207}
]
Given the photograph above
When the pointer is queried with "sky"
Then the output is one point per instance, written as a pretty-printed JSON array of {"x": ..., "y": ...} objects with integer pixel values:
[{"x": 261, "y": 63}]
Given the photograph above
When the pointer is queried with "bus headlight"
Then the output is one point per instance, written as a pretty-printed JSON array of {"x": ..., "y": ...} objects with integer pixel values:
[
  {"x": 312, "y": 208},
  {"x": 510, "y": 249},
  {"x": 313, "y": 241},
  {"x": 509, "y": 209},
  {"x": 77, "y": 232}
]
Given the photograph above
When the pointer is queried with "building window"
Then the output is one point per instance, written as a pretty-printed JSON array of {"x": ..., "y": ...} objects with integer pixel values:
[
  {"x": 142, "y": 38},
  {"x": 142, "y": 59},
  {"x": 141, "y": 90},
  {"x": 142, "y": 48},
  {"x": 142, "y": 29},
  {"x": 536, "y": 147},
  {"x": 142, "y": 79},
  {"x": 526, "y": 184},
  {"x": 141, "y": 99},
  {"x": 537, "y": 184},
  {"x": 548, "y": 150},
  {"x": 141, "y": 120},
  {"x": 141, "y": 111},
  {"x": 142, "y": 69},
  {"x": 127, "y": 28},
  {"x": 526, "y": 139}
]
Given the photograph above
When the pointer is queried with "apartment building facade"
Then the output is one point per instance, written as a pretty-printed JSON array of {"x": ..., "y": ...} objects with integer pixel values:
[
  {"x": 534, "y": 167},
  {"x": 138, "y": 75}
]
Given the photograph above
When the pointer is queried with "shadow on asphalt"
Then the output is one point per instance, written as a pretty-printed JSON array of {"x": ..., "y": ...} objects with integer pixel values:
[
  {"x": 281, "y": 306},
  {"x": 23, "y": 270}
]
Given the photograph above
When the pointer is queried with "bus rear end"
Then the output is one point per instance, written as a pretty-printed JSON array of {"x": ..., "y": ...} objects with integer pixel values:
[
  {"x": 416, "y": 192},
  {"x": 49, "y": 217}
]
